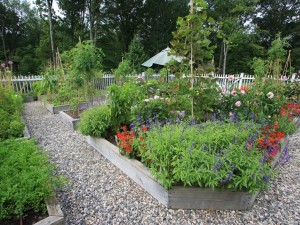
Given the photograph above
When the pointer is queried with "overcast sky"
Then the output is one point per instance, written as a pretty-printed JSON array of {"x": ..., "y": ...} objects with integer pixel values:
[{"x": 55, "y": 6}]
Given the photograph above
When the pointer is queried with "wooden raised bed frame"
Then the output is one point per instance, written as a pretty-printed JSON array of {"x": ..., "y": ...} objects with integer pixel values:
[
  {"x": 178, "y": 197},
  {"x": 68, "y": 120},
  {"x": 55, "y": 109}
]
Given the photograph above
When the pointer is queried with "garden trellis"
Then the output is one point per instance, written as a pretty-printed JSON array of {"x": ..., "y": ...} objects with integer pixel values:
[{"x": 24, "y": 83}]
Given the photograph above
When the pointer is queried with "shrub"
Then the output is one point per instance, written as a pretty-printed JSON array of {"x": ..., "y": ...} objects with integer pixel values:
[
  {"x": 122, "y": 98},
  {"x": 11, "y": 124},
  {"x": 292, "y": 91},
  {"x": 95, "y": 121},
  {"x": 26, "y": 178},
  {"x": 212, "y": 154}
]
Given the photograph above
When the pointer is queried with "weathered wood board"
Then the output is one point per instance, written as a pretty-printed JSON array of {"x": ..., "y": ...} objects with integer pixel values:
[
  {"x": 55, "y": 109},
  {"x": 56, "y": 216},
  {"x": 68, "y": 120}
]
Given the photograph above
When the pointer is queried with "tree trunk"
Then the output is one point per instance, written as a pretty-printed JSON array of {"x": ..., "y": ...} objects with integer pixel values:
[
  {"x": 221, "y": 58},
  {"x": 225, "y": 56},
  {"x": 89, "y": 4},
  {"x": 191, "y": 62},
  {"x": 49, "y": 5},
  {"x": 3, "y": 43}
]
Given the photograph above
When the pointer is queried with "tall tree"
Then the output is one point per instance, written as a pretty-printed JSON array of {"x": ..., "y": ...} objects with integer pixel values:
[
  {"x": 49, "y": 5},
  {"x": 124, "y": 17},
  {"x": 191, "y": 40},
  {"x": 159, "y": 21},
  {"x": 136, "y": 54},
  {"x": 279, "y": 16},
  {"x": 231, "y": 17},
  {"x": 74, "y": 16}
]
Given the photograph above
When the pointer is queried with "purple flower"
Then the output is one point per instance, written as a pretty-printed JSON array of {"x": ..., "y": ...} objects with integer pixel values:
[
  {"x": 267, "y": 178},
  {"x": 227, "y": 178},
  {"x": 10, "y": 62},
  {"x": 3, "y": 65},
  {"x": 191, "y": 147}
]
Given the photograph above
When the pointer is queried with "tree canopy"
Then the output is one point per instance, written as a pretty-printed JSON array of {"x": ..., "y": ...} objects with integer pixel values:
[{"x": 134, "y": 29}]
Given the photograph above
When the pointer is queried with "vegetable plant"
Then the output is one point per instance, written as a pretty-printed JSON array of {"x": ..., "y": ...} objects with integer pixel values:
[{"x": 26, "y": 178}]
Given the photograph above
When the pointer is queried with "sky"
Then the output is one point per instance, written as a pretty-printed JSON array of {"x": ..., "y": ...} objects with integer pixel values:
[{"x": 55, "y": 6}]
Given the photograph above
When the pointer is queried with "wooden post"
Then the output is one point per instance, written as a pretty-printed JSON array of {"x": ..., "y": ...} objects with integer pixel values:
[{"x": 241, "y": 80}]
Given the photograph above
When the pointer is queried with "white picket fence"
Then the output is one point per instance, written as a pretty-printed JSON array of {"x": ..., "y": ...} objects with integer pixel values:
[{"x": 24, "y": 83}]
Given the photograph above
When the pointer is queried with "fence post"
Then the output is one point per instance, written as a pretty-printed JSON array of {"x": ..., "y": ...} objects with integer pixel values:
[
  {"x": 293, "y": 77},
  {"x": 241, "y": 80}
]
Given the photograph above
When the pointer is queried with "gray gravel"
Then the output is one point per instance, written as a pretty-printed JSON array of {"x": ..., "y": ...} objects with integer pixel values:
[{"x": 99, "y": 193}]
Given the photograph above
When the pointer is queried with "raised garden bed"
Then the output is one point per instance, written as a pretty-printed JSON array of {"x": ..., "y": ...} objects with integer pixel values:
[
  {"x": 27, "y": 99},
  {"x": 179, "y": 197},
  {"x": 55, "y": 215},
  {"x": 68, "y": 120},
  {"x": 55, "y": 109}
]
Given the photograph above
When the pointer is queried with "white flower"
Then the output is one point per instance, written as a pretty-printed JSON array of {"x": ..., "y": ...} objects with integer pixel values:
[
  {"x": 146, "y": 100},
  {"x": 270, "y": 95},
  {"x": 156, "y": 97}
]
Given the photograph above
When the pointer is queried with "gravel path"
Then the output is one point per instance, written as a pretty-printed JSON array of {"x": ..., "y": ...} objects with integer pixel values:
[{"x": 100, "y": 193}]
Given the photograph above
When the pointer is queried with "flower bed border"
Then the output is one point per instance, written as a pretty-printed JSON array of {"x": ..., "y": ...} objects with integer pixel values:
[
  {"x": 179, "y": 197},
  {"x": 68, "y": 120},
  {"x": 55, "y": 109},
  {"x": 55, "y": 215}
]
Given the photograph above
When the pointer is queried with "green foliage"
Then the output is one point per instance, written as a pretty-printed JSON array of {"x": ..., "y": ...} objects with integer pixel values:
[
  {"x": 11, "y": 106},
  {"x": 292, "y": 91},
  {"x": 277, "y": 54},
  {"x": 211, "y": 155},
  {"x": 26, "y": 178},
  {"x": 136, "y": 55},
  {"x": 121, "y": 99},
  {"x": 260, "y": 100},
  {"x": 95, "y": 121},
  {"x": 149, "y": 73},
  {"x": 260, "y": 67},
  {"x": 286, "y": 125},
  {"x": 191, "y": 39},
  {"x": 206, "y": 96},
  {"x": 156, "y": 107},
  {"x": 124, "y": 69}
]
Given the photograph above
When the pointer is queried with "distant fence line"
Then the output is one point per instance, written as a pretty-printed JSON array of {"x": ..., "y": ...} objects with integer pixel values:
[{"x": 24, "y": 83}]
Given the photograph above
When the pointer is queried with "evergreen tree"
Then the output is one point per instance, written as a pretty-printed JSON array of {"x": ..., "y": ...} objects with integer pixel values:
[{"x": 136, "y": 54}]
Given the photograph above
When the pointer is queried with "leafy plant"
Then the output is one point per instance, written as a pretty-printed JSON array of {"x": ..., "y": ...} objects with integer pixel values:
[
  {"x": 121, "y": 99},
  {"x": 292, "y": 91},
  {"x": 26, "y": 178},
  {"x": 84, "y": 63},
  {"x": 95, "y": 121},
  {"x": 123, "y": 70},
  {"x": 212, "y": 154},
  {"x": 11, "y": 106}
]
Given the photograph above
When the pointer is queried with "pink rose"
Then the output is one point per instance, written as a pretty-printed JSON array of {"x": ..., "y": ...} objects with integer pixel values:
[
  {"x": 233, "y": 92},
  {"x": 243, "y": 92},
  {"x": 238, "y": 104},
  {"x": 224, "y": 87}
]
